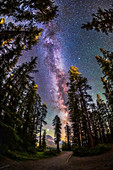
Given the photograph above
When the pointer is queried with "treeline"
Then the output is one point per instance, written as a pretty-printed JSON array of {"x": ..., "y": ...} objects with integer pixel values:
[
  {"x": 22, "y": 113},
  {"x": 92, "y": 123}
]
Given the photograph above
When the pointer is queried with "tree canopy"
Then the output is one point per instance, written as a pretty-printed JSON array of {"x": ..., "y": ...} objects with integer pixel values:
[{"x": 101, "y": 21}]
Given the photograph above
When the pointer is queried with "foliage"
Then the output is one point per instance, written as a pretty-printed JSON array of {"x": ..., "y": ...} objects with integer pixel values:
[
  {"x": 68, "y": 135},
  {"x": 78, "y": 103},
  {"x": 19, "y": 117},
  {"x": 51, "y": 153},
  {"x": 42, "y": 116},
  {"x": 24, "y": 16},
  {"x": 91, "y": 124},
  {"x": 23, "y": 156},
  {"x": 44, "y": 140},
  {"x": 57, "y": 127},
  {"x": 65, "y": 147},
  {"x": 20, "y": 106},
  {"x": 84, "y": 151},
  {"x": 102, "y": 21},
  {"x": 28, "y": 10},
  {"x": 106, "y": 64}
]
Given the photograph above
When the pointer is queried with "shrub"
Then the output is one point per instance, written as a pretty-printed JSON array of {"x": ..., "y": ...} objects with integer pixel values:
[
  {"x": 83, "y": 151},
  {"x": 40, "y": 149},
  {"x": 51, "y": 153},
  {"x": 65, "y": 147},
  {"x": 80, "y": 151}
]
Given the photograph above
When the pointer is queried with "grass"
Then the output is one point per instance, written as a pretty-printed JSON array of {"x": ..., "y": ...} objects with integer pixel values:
[
  {"x": 21, "y": 156},
  {"x": 97, "y": 150}
]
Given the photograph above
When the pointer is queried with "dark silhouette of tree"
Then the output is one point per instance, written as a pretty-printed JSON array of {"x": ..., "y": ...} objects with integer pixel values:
[
  {"x": 102, "y": 21},
  {"x": 17, "y": 104},
  {"x": 42, "y": 116},
  {"x": 102, "y": 117},
  {"x": 78, "y": 102},
  {"x": 68, "y": 135},
  {"x": 24, "y": 17},
  {"x": 106, "y": 64},
  {"x": 44, "y": 140},
  {"x": 20, "y": 104},
  {"x": 37, "y": 10},
  {"x": 57, "y": 127}
]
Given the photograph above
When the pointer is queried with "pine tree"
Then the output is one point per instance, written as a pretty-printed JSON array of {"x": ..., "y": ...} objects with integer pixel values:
[
  {"x": 42, "y": 121},
  {"x": 74, "y": 110},
  {"x": 20, "y": 105},
  {"x": 78, "y": 101},
  {"x": 44, "y": 140},
  {"x": 102, "y": 21},
  {"x": 102, "y": 118},
  {"x": 30, "y": 9},
  {"x": 106, "y": 64},
  {"x": 57, "y": 127},
  {"x": 20, "y": 113},
  {"x": 25, "y": 16},
  {"x": 68, "y": 135}
]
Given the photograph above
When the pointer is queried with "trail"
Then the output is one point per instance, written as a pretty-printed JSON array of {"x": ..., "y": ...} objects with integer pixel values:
[{"x": 55, "y": 163}]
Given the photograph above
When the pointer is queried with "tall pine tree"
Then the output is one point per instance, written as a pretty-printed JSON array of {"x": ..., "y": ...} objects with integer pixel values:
[{"x": 57, "y": 127}]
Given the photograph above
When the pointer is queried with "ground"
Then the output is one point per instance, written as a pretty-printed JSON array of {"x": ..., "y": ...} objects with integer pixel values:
[{"x": 65, "y": 161}]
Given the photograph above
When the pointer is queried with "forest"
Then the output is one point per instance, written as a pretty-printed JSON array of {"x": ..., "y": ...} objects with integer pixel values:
[{"x": 22, "y": 111}]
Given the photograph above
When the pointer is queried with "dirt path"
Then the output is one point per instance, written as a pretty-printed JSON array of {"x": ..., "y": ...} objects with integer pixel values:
[
  {"x": 66, "y": 161},
  {"x": 54, "y": 163},
  {"x": 100, "y": 162}
]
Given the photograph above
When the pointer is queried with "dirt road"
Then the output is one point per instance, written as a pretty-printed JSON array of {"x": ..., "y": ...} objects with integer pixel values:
[
  {"x": 54, "y": 163},
  {"x": 66, "y": 161},
  {"x": 100, "y": 162}
]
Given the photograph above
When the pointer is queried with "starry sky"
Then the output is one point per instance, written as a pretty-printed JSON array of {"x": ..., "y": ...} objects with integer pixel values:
[{"x": 63, "y": 43}]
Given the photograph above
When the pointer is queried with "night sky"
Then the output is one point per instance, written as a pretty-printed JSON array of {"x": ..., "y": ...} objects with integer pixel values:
[{"x": 63, "y": 43}]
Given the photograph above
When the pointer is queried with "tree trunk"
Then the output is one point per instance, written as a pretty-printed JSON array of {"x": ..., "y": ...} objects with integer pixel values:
[
  {"x": 40, "y": 144},
  {"x": 83, "y": 105},
  {"x": 68, "y": 143},
  {"x": 58, "y": 147}
]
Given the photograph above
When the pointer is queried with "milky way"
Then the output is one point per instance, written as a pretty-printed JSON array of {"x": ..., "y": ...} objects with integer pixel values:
[{"x": 53, "y": 61}]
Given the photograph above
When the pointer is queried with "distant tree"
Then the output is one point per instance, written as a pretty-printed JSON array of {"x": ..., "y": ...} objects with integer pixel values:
[
  {"x": 68, "y": 135},
  {"x": 44, "y": 140},
  {"x": 65, "y": 146},
  {"x": 57, "y": 127},
  {"x": 102, "y": 21},
  {"x": 42, "y": 116}
]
